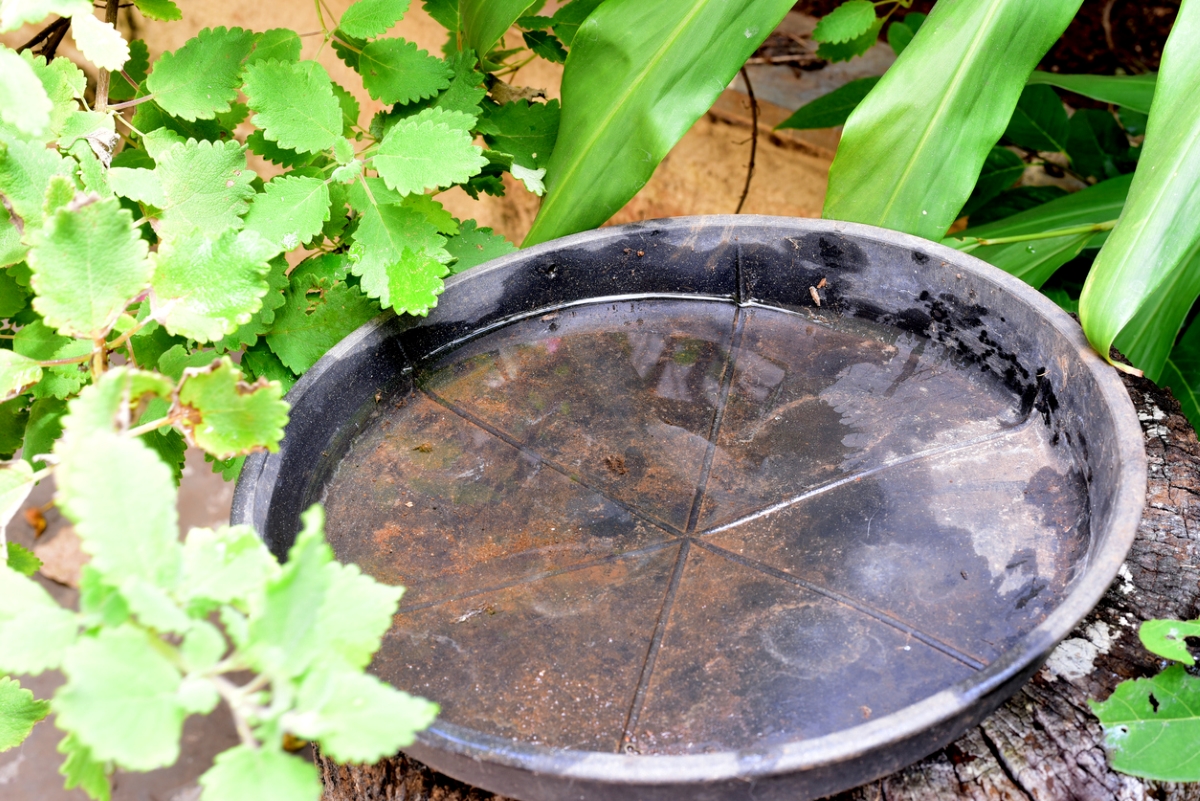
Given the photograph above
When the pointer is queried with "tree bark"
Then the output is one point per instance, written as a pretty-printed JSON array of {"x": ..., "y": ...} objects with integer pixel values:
[{"x": 1044, "y": 744}]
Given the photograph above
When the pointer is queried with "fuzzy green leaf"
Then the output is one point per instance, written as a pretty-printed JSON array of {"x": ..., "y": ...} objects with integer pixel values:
[
  {"x": 100, "y": 42},
  {"x": 848, "y": 21},
  {"x": 38, "y": 341},
  {"x": 24, "y": 103},
  {"x": 261, "y": 362},
  {"x": 121, "y": 700},
  {"x": 295, "y": 104},
  {"x": 844, "y": 51},
  {"x": 14, "y": 417},
  {"x": 138, "y": 184},
  {"x": 228, "y": 417},
  {"x": 88, "y": 264},
  {"x": 282, "y": 44},
  {"x": 252, "y": 774},
  {"x": 393, "y": 242},
  {"x": 259, "y": 144},
  {"x": 25, "y": 173},
  {"x": 19, "y": 713},
  {"x": 290, "y": 211},
  {"x": 205, "y": 288},
  {"x": 466, "y": 88},
  {"x": 15, "y": 13},
  {"x": 17, "y": 373},
  {"x": 367, "y": 19},
  {"x": 225, "y": 565},
  {"x": 23, "y": 560},
  {"x": 423, "y": 152},
  {"x": 1151, "y": 726},
  {"x": 350, "y": 109},
  {"x": 247, "y": 334},
  {"x": 524, "y": 130},
  {"x": 414, "y": 283},
  {"x": 357, "y": 717},
  {"x": 82, "y": 771},
  {"x": 395, "y": 71},
  {"x": 136, "y": 68},
  {"x": 319, "y": 310},
  {"x": 207, "y": 185},
  {"x": 43, "y": 429},
  {"x": 545, "y": 45},
  {"x": 159, "y": 9},
  {"x": 35, "y": 631},
  {"x": 1167, "y": 638},
  {"x": 202, "y": 77},
  {"x": 830, "y": 109}
]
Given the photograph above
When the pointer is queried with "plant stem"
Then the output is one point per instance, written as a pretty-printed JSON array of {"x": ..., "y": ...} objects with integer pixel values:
[
  {"x": 131, "y": 103},
  {"x": 146, "y": 428},
  {"x": 99, "y": 358},
  {"x": 753, "y": 140},
  {"x": 971, "y": 243},
  {"x": 235, "y": 700},
  {"x": 46, "y": 32},
  {"x": 110, "y": 16}
]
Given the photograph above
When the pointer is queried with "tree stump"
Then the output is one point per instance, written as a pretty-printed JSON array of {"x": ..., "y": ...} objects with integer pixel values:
[{"x": 1044, "y": 744}]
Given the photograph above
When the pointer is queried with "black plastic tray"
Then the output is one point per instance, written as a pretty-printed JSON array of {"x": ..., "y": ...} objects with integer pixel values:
[{"x": 724, "y": 507}]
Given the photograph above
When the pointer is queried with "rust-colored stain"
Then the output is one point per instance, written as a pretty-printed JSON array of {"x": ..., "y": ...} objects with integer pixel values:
[{"x": 679, "y": 526}]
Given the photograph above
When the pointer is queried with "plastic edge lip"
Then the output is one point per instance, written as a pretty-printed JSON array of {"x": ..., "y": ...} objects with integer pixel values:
[{"x": 849, "y": 743}]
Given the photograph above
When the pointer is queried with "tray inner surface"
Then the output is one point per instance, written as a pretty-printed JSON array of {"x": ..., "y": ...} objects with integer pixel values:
[{"x": 678, "y": 526}]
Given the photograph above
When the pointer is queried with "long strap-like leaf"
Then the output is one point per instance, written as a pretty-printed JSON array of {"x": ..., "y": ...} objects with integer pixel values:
[
  {"x": 1148, "y": 273},
  {"x": 911, "y": 152},
  {"x": 483, "y": 22},
  {"x": 639, "y": 74}
]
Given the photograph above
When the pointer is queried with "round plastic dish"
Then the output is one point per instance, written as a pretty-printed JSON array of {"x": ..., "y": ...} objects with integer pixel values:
[{"x": 722, "y": 507}]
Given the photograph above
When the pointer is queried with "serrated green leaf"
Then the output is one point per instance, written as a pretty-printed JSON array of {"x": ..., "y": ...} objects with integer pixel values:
[
  {"x": 444, "y": 12},
  {"x": 225, "y": 566},
  {"x": 1039, "y": 121},
  {"x": 19, "y": 713},
  {"x": 252, "y": 774},
  {"x": 149, "y": 117},
  {"x": 316, "y": 316},
  {"x": 169, "y": 445},
  {"x": 524, "y": 130},
  {"x": 82, "y": 771},
  {"x": 22, "y": 560},
  {"x": 120, "y": 699},
  {"x": 831, "y": 109},
  {"x": 422, "y": 152},
  {"x": 228, "y": 417},
  {"x": 357, "y": 718},
  {"x": 844, "y": 51},
  {"x": 16, "y": 482},
  {"x": 14, "y": 416},
  {"x": 17, "y": 373},
  {"x": 348, "y": 49},
  {"x": 138, "y": 65},
  {"x": 261, "y": 362},
  {"x": 294, "y": 104},
  {"x": 911, "y": 152},
  {"x": 24, "y": 103},
  {"x": 367, "y": 19},
  {"x": 414, "y": 283},
  {"x": 15, "y": 13},
  {"x": 202, "y": 77},
  {"x": 483, "y": 22},
  {"x": 290, "y": 211},
  {"x": 100, "y": 42},
  {"x": 159, "y": 9},
  {"x": 42, "y": 343},
  {"x": 466, "y": 89},
  {"x": 247, "y": 334},
  {"x": 848, "y": 21},
  {"x": 178, "y": 358},
  {"x": 1151, "y": 726},
  {"x": 545, "y": 45},
  {"x": 1167, "y": 638},
  {"x": 259, "y": 144},
  {"x": 43, "y": 429},
  {"x": 357, "y": 613},
  {"x": 395, "y": 243},
  {"x": 395, "y": 71},
  {"x": 202, "y": 647},
  {"x": 282, "y": 44},
  {"x": 207, "y": 185},
  {"x": 349, "y": 105},
  {"x": 433, "y": 211},
  {"x": 88, "y": 264},
  {"x": 138, "y": 184},
  {"x": 100, "y": 603},
  {"x": 204, "y": 288},
  {"x": 473, "y": 246},
  {"x": 1131, "y": 91},
  {"x": 25, "y": 173},
  {"x": 1001, "y": 169},
  {"x": 34, "y": 630}
]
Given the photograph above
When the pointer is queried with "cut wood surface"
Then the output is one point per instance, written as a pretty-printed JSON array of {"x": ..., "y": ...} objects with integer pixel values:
[{"x": 1044, "y": 744}]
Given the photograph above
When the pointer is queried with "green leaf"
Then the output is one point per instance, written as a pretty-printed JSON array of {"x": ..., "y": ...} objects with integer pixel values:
[
  {"x": 224, "y": 566},
  {"x": 629, "y": 61},
  {"x": 16, "y": 482},
  {"x": 1094, "y": 140},
  {"x": 228, "y": 417},
  {"x": 1013, "y": 201},
  {"x": 24, "y": 103},
  {"x": 82, "y": 771},
  {"x": 38, "y": 341},
  {"x": 357, "y": 718},
  {"x": 830, "y": 109},
  {"x": 207, "y": 185},
  {"x": 88, "y": 264},
  {"x": 1182, "y": 373},
  {"x": 290, "y": 211},
  {"x": 120, "y": 89},
  {"x": 466, "y": 89},
  {"x": 43, "y": 429},
  {"x": 356, "y": 614},
  {"x": 367, "y": 19},
  {"x": 159, "y": 9},
  {"x": 295, "y": 104},
  {"x": 1147, "y": 275},
  {"x": 524, "y": 130},
  {"x": 1035, "y": 261},
  {"x": 349, "y": 105},
  {"x": 423, "y": 152},
  {"x": 395, "y": 71},
  {"x": 848, "y": 21},
  {"x": 570, "y": 16},
  {"x": 100, "y": 42},
  {"x": 138, "y": 184},
  {"x": 1151, "y": 726},
  {"x": 898, "y": 36},
  {"x": 1166, "y": 638},
  {"x": 35, "y": 631},
  {"x": 433, "y": 211},
  {"x": 1132, "y": 91},
  {"x": 396, "y": 248},
  {"x": 318, "y": 312},
  {"x": 252, "y": 774},
  {"x": 22, "y": 560},
  {"x": 911, "y": 152},
  {"x": 261, "y": 362},
  {"x": 17, "y": 373},
  {"x": 25, "y": 173},
  {"x": 1039, "y": 121},
  {"x": 247, "y": 334},
  {"x": 483, "y": 22},
  {"x": 19, "y": 713},
  {"x": 14, "y": 14},
  {"x": 14, "y": 416},
  {"x": 545, "y": 45},
  {"x": 259, "y": 144},
  {"x": 444, "y": 12},
  {"x": 282, "y": 44},
  {"x": 1001, "y": 169},
  {"x": 853, "y": 48},
  {"x": 206, "y": 288},
  {"x": 202, "y": 77},
  {"x": 121, "y": 700}
]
